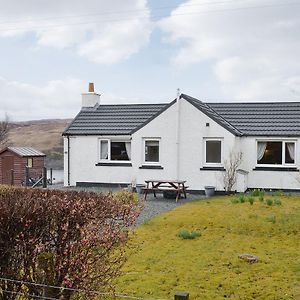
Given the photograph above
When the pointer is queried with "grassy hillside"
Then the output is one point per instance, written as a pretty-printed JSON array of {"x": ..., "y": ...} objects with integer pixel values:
[
  {"x": 44, "y": 135},
  {"x": 208, "y": 267}
]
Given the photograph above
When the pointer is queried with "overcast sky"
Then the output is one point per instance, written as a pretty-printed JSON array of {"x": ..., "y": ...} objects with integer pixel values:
[{"x": 142, "y": 51}]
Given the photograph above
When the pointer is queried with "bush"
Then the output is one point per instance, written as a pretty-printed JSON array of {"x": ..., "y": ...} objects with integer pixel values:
[
  {"x": 242, "y": 197},
  {"x": 269, "y": 202},
  {"x": 261, "y": 198},
  {"x": 277, "y": 202},
  {"x": 67, "y": 239},
  {"x": 185, "y": 234},
  {"x": 255, "y": 193},
  {"x": 251, "y": 200}
]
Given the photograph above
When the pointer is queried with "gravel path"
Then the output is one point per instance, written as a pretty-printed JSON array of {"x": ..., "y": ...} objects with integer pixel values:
[{"x": 152, "y": 206}]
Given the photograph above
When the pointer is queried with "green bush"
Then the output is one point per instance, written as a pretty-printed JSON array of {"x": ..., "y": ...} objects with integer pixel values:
[
  {"x": 269, "y": 202},
  {"x": 278, "y": 193},
  {"x": 277, "y": 202},
  {"x": 261, "y": 198},
  {"x": 255, "y": 193},
  {"x": 242, "y": 197},
  {"x": 190, "y": 235},
  {"x": 251, "y": 200}
]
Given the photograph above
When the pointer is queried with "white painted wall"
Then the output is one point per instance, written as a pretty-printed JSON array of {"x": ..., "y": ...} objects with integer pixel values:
[
  {"x": 84, "y": 155},
  {"x": 268, "y": 179}
]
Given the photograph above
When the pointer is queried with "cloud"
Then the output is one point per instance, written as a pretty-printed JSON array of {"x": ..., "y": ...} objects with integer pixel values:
[
  {"x": 55, "y": 99},
  {"x": 254, "y": 53},
  {"x": 104, "y": 32}
]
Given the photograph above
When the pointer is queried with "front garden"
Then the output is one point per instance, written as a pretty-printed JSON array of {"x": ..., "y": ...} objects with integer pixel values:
[{"x": 196, "y": 248}]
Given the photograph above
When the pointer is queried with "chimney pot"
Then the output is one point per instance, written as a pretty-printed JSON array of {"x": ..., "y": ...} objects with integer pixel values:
[{"x": 91, "y": 87}]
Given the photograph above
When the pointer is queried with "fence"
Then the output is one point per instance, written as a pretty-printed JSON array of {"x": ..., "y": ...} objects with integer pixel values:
[{"x": 42, "y": 287}]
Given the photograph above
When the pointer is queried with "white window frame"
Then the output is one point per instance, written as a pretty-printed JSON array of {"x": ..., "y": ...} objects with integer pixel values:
[
  {"x": 109, "y": 150},
  {"x": 283, "y": 142},
  {"x": 206, "y": 164},
  {"x": 144, "y": 149}
]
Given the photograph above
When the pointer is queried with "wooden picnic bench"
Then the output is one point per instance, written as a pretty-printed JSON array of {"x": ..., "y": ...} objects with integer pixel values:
[{"x": 155, "y": 186}]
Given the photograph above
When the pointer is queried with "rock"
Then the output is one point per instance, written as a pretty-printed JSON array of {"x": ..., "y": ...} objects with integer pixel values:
[{"x": 248, "y": 258}]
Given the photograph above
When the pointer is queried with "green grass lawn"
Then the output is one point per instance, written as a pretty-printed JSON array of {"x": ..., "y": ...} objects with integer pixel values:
[{"x": 208, "y": 266}]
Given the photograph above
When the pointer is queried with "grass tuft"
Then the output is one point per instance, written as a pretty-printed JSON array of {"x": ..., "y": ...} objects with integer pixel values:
[
  {"x": 269, "y": 202},
  {"x": 188, "y": 235}
]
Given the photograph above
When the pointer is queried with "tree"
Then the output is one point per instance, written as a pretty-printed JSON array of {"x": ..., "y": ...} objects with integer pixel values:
[
  {"x": 63, "y": 239},
  {"x": 231, "y": 165},
  {"x": 4, "y": 129}
]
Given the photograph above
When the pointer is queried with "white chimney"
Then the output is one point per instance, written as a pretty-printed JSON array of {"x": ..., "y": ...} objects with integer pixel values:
[{"x": 90, "y": 99}]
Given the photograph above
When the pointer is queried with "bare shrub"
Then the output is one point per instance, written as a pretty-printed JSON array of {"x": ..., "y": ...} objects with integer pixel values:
[
  {"x": 231, "y": 165},
  {"x": 4, "y": 129},
  {"x": 66, "y": 239}
]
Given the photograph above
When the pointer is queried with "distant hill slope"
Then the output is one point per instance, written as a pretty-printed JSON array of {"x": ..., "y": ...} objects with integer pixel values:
[{"x": 44, "y": 135}]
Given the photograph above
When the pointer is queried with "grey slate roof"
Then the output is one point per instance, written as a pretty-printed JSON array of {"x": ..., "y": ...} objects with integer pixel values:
[
  {"x": 120, "y": 119},
  {"x": 241, "y": 119},
  {"x": 26, "y": 151},
  {"x": 262, "y": 119}
]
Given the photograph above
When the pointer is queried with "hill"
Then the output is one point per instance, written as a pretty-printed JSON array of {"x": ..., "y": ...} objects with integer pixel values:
[{"x": 44, "y": 135}]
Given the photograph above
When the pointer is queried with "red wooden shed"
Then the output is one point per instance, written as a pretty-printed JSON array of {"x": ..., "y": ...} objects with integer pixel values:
[{"x": 13, "y": 163}]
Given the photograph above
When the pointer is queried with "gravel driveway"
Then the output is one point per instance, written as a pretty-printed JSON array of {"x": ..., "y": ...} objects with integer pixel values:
[{"x": 152, "y": 206}]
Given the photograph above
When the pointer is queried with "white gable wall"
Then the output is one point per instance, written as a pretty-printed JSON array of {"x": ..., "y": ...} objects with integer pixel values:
[{"x": 191, "y": 152}]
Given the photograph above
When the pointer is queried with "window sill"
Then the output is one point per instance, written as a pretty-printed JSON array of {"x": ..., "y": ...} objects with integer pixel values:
[
  {"x": 114, "y": 164},
  {"x": 154, "y": 167},
  {"x": 281, "y": 169},
  {"x": 212, "y": 169}
]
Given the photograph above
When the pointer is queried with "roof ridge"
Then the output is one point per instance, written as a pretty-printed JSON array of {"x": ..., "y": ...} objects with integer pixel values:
[{"x": 189, "y": 98}]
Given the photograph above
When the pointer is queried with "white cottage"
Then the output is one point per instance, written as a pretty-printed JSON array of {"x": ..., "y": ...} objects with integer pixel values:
[{"x": 185, "y": 139}]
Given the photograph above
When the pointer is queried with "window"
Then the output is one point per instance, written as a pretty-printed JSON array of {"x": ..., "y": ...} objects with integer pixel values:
[
  {"x": 213, "y": 152},
  {"x": 275, "y": 153},
  {"x": 115, "y": 150},
  {"x": 29, "y": 162},
  {"x": 152, "y": 151}
]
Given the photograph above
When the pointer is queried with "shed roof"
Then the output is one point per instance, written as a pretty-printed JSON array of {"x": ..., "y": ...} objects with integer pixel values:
[
  {"x": 25, "y": 151},
  {"x": 241, "y": 119}
]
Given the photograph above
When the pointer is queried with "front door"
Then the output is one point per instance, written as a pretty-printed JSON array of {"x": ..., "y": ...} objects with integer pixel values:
[{"x": 7, "y": 166}]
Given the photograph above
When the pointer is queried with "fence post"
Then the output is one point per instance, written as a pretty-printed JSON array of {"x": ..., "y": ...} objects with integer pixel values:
[
  {"x": 26, "y": 176},
  {"x": 51, "y": 178},
  {"x": 44, "y": 177},
  {"x": 181, "y": 296},
  {"x": 12, "y": 177}
]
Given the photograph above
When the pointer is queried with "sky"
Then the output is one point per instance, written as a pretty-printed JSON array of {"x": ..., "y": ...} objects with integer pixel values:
[{"x": 141, "y": 51}]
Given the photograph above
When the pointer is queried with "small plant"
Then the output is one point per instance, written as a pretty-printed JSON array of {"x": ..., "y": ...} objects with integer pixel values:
[
  {"x": 272, "y": 219},
  {"x": 146, "y": 222},
  {"x": 235, "y": 201},
  {"x": 277, "y": 202},
  {"x": 241, "y": 197},
  {"x": 251, "y": 200},
  {"x": 255, "y": 193},
  {"x": 278, "y": 193},
  {"x": 269, "y": 202},
  {"x": 188, "y": 235},
  {"x": 261, "y": 198}
]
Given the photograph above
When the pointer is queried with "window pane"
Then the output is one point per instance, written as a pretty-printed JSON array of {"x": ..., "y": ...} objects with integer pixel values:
[
  {"x": 103, "y": 149},
  {"x": 272, "y": 154},
  {"x": 289, "y": 153},
  {"x": 152, "y": 151},
  {"x": 213, "y": 152},
  {"x": 118, "y": 151}
]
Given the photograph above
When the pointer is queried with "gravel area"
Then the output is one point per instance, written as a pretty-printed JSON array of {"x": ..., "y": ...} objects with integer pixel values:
[{"x": 152, "y": 206}]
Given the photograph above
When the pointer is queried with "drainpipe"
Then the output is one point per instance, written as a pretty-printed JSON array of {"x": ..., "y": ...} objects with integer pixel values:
[
  {"x": 68, "y": 162},
  {"x": 177, "y": 134}
]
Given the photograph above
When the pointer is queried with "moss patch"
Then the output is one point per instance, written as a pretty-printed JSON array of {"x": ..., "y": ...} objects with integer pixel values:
[{"x": 208, "y": 267}]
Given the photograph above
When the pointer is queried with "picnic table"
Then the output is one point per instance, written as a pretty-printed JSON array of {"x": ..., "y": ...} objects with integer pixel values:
[{"x": 154, "y": 186}]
